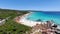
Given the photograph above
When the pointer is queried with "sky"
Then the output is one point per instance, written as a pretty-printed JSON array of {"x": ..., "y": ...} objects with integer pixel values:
[{"x": 43, "y": 5}]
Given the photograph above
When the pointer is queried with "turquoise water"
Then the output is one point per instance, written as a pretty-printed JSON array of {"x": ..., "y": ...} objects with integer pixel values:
[{"x": 45, "y": 16}]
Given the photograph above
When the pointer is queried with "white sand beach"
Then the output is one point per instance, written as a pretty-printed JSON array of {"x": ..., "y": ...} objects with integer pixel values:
[{"x": 24, "y": 21}]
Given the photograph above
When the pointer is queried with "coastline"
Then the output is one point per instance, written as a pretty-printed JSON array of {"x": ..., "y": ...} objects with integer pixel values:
[{"x": 24, "y": 21}]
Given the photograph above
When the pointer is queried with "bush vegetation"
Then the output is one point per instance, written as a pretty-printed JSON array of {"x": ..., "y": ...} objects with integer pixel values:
[{"x": 10, "y": 26}]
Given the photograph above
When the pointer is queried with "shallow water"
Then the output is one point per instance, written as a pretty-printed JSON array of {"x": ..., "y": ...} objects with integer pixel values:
[{"x": 45, "y": 16}]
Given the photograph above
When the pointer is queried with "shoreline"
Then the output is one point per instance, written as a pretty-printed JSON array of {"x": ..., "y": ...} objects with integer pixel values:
[
  {"x": 22, "y": 20},
  {"x": 26, "y": 22}
]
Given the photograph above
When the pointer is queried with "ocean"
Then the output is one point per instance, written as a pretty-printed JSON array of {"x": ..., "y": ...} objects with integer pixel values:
[{"x": 45, "y": 16}]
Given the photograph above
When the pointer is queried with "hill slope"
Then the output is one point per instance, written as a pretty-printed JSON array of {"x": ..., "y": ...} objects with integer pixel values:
[{"x": 11, "y": 27}]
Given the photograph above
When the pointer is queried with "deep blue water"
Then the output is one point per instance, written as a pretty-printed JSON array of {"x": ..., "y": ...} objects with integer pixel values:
[{"x": 45, "y": 16}]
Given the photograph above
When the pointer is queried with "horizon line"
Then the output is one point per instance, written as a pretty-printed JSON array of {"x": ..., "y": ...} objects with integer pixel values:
[{"x": 28, "y": 10}]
